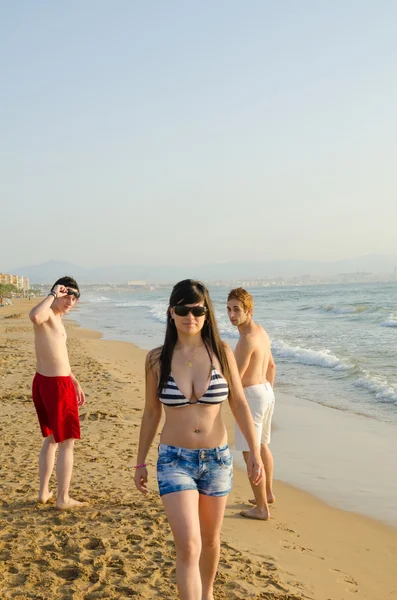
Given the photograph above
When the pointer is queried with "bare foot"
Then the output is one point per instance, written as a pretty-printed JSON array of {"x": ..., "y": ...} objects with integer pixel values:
[
  {"x": 270, "y": 500},
  {"x": 71, "y": 505},
  {"x": 43, "y": 498},
  {"x": 255, "y": 513}
]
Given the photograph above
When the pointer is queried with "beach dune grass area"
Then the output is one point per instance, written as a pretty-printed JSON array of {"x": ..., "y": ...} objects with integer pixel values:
[{"x": 120, "y": 546}]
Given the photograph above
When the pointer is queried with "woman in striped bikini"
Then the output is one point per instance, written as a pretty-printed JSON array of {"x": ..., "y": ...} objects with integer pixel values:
[{"x": 191, "y": 375}]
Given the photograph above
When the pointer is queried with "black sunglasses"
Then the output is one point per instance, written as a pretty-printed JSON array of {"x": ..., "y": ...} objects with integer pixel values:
[
  {"x": 73, "y": 293},
  {"x": 182, "y": 310}
]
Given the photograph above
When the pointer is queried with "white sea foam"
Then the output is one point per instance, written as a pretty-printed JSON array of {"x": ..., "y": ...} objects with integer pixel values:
[
  {"x": 307, "y": 356},
  {"x": 390, "y": 322},
  {"x": 100, "y": 300},
  {"x": 157, "y": 310},
  {"x": 226, "y": 329},
  {"x": 134, "y": 304},
  {"x": 228, "y": 333},
  {"x": 343, "y": 310},
  {"x": 383, "y": 391}
]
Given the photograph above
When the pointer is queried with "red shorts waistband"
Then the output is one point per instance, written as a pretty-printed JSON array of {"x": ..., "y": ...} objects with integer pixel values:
[{"x": 52, "y": 376}]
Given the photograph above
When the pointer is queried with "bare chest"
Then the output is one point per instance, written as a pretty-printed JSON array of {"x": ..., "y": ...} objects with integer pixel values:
[{"x": 53, "y": 333}]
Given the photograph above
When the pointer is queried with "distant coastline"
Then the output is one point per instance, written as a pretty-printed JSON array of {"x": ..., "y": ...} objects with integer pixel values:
[
  {"x": 344, "y": 279},
  {"x": 260, "y": 273}
]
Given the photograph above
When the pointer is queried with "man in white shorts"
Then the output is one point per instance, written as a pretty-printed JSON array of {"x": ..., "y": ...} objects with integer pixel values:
[{"x": 257, "y": 371}]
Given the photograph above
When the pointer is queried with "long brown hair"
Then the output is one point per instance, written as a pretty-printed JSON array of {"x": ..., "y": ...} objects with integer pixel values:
[{"x": 190, "y": 291}]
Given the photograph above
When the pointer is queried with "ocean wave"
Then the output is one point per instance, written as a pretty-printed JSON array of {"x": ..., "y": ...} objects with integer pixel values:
[
  {"x": 100, "y": 300},
  {"x": 353, "y": 310},
  {"x": 228, "y": 333},
  {"x": 390, "y": 322},
  {"x": 343, "y": 310},
  {"x": 382, "y": 390},
  {"x": 134, "y": 304},
  {"x": 307, "y": 356},
  {"x": 226, "y": 329},
  {"x": 157, "y": 310},
  {"x": 158, "y": 313}
]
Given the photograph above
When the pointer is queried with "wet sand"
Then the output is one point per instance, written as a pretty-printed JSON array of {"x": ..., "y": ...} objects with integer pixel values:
[
  {"x": 121, "y": 546},
  {"x": 346, "y": 459}
]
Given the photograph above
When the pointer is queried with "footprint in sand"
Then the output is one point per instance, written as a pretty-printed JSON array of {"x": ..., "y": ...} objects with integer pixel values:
[
  {"x": 283, "y": 527},
  {"x": 292, "y": 546},
  {"x": 69, "y": 573},
  {"x": 97, "y": 416},
  {"x": 18, "y": 580},
  {"x": 345, "y": 578},
  {"x": 116, "y": 563},
  {"x": 95, "y": 544}
]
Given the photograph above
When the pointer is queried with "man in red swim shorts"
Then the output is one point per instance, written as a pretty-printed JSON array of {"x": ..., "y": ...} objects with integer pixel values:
[{"x": 56, "y": 392}]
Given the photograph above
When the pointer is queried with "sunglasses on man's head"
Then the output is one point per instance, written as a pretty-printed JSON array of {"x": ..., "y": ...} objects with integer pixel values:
[
  {"x": 182, "y": 310},
  {"x": 73, "y": 293}
]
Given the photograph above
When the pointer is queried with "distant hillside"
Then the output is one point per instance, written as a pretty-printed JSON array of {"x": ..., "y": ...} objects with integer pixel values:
[{"x": 49, "y": 271}]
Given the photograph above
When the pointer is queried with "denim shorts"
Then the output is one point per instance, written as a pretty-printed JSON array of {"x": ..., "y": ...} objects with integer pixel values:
[{"x": 207, "y": 470}]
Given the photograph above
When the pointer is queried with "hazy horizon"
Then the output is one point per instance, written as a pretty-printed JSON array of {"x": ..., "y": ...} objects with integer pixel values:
[
  {"x": 169, "y": 133},
  {"x": 219, "y": 262},
  {"x": 379, "y": 265}
]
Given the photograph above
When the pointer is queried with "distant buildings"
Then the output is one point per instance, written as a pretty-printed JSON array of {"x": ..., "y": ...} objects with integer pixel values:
[
  {"x": 309, "y": 279},
  {"x": 137, "y": 283},
  {"x": 22, "y": 283}
]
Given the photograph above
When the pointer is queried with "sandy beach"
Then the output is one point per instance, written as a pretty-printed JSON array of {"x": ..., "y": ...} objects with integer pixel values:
[{"x": 121, "y": 546}]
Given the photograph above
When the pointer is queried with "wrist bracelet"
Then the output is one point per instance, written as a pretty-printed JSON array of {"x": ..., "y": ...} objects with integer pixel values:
[
  {"x": 52, "y": 294},
  {"x": 141, "y": 465}
]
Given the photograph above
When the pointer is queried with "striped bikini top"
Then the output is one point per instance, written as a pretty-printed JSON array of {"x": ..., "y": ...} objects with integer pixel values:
[{"x": 217, "y": 391}]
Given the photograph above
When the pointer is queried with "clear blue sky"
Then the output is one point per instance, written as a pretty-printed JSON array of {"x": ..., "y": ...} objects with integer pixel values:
[{"x": 172, "y": 131}]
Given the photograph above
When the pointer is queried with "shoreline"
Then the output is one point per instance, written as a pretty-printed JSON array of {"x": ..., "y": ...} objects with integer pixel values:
[
  {"x": 354, "y": 457},
  {"x": 308, "y": 549},
  {"x": 353, "y": 487}
]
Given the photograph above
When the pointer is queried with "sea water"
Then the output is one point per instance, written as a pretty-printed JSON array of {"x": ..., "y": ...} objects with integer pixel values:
[{"x": 333, "y": 344}]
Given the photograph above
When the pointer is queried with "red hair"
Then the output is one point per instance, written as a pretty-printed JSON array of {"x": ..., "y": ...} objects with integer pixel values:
[{"x": 242, "y": 296}]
